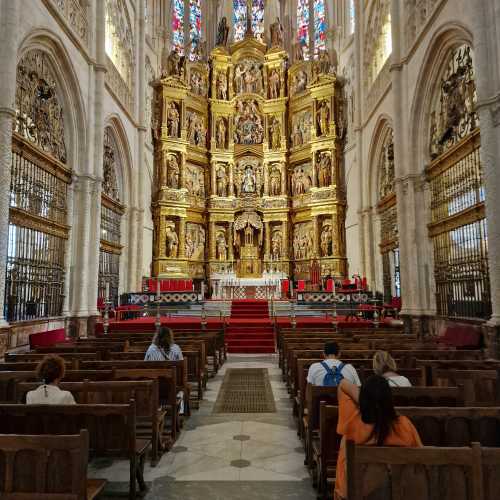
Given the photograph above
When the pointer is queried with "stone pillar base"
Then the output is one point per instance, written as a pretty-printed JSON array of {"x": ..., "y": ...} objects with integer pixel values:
[
  {"x": 491, "y": 336},
  {"x": 416, "y": 325},
  {"x": 4, "y": 340},
  {"x": 91, "y": 324},
  {"x": 76, "y": 327}
]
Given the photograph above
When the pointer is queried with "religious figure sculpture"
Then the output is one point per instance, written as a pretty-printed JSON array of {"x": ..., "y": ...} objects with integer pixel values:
[
  {"x": 275, "y": 182},
  {"x": 172, "y": 240},
  {"x": 198, "y": 84},
  {"x": 299, "y": 82},
  {"x": 221, "y": 86},
  {"x": 220, "y": 139},
  {"x": 221, "y": 245},
  {"x": 326, "y": 241},
  {"x": 238, "y": 79},
  {"x": 323, "y": 118},
  {"x": 248, "y": 123},
  {"x": 276, "y": 30},
  {"x": 173, "y": 172},
  {"x": 248, "y": 77},
  {"x": 221, "y": 180},
  {"x": 275, "y": 134},
  {"x": 189, "y": 246},
  {"x": 301, "y": 180},
  {"x": 302, "y": 241},
  {"x": 276, "y": 245},
  {"x": 195, "y": 183},
  {"x": 274, "y": 84},
  {"x": 222, "y": 32},
  {"x": 175, "y": 63},
  {"x": 248, "y": 185},
  {"x": 173, "y": 120},
  {"x": 325, "y": 169}
]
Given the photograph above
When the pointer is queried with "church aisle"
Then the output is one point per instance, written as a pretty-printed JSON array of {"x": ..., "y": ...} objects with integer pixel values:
[{"x": 230, "y": 456}]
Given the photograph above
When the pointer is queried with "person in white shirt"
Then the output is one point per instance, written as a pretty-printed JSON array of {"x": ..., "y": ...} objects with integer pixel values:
[
  {"x": 385, "y": 366},
  {"x": 163, "y": 347},
  {"x": 50, "y": 370},
  {"x": 317, "y": 371}
]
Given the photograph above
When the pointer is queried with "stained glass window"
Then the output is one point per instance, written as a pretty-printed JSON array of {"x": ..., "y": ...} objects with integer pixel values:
[
  {"x": 194, "y": 28},
  {"x": 319, "y": 26},
  {"x": 178, "y": 26},
  {"x": 352, "y": 17},
  {"x": 240, "y": 16},
  {"x": 303, "y": 26}
]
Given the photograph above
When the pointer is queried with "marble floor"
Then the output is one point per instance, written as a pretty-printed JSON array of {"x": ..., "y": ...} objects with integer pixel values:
[{"x": 228, "y": 456}]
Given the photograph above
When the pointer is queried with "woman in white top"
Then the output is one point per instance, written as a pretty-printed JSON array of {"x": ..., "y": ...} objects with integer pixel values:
[
  {"x": 163, "y": 347},
  {"x": 385, "y": 366},
  {"x": 50, "y": 371}
]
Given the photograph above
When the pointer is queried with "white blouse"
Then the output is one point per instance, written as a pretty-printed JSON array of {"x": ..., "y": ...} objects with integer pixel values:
[
  {"x": 49, "y": 395},
  {"x": 398, "y": 381}
]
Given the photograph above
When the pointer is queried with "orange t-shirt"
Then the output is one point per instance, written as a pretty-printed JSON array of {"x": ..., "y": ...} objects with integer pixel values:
[{"x": 351, "y": 427}]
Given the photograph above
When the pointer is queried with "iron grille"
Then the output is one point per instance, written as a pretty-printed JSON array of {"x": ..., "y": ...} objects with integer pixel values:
[
  {"x": 109, "y": 272},
  {"x": 110, "y": 225},
  {"x": 35, "y": 274}
]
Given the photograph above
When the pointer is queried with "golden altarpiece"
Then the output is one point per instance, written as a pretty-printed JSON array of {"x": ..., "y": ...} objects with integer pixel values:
[{"x": 248, "y": 166}]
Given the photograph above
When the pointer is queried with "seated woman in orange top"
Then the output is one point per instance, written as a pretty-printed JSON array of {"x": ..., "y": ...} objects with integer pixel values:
[{"x": 367, "y": 417}]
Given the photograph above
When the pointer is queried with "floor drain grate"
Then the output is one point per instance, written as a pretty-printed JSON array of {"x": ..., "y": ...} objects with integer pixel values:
[{"x": 245, "y": 390}]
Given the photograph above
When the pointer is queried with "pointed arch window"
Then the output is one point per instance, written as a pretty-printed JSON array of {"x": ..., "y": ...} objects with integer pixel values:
[
  {"x": 111, "y": 215},
  {"x": 240, "y": 17},
  {"x": 178, "y": 26},
  {"x": 194, "y": 28},
  {"x": 311, "y": 14}
]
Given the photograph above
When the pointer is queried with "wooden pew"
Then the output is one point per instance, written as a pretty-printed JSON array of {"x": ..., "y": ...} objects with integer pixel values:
[
  {"x": 413, "y": 473},
  {"x": 46, "y": 467},
  {"x": 112, "y": 430},
  {"x": 490, "y": 458},
  {"x": 33, "y": 357},
  {"x": 145, "y": 393}
]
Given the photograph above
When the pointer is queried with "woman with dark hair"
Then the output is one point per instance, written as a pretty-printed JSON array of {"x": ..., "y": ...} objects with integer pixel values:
[
  {"x": 50, "y": 370},
  {"x": 367, "y": 417},
  {"x": 163, "y": 347}
]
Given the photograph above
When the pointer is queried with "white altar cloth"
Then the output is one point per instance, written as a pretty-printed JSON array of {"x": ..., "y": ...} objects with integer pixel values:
[{"x": 228, "y": 286}]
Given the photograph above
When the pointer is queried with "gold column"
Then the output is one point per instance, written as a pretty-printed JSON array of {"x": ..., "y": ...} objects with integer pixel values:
[
  {"x": 284, "y": 188},
  {"x": 314, "y": 171},
  {"x": 182, "y": 172},
  {"x": 182, "y": 238},
  {"x": 230, "y": 243},
  {"x": 267, "y": 248},
  {"x": 315, "y": 221},
  {"x": 214, "y": 178},
  {"x": 231, "y": 179},
  {"x": 161, "y": 238},
  {"x": 266, "y": 179},
  {"x": 284, "y": 230},
  {"x": 212, "y": 240}
]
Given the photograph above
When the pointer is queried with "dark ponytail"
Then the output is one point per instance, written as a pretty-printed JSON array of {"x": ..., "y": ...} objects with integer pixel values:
[{"x": 377, "y": 408}]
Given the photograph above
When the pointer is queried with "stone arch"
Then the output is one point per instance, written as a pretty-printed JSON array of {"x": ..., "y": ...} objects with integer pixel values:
[
  {"x": 125, "y": 174},
  {"x": 382, "y": 129},
  {"x": 447, "y": 38},
  {"x": 72, "y": 102}
]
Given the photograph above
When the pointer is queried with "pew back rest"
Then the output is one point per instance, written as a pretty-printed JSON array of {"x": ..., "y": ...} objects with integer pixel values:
[
  {"x": 413, "y": 473},
  {"x": 53, "y": 467},
  {"x": 111, "y": 427}
]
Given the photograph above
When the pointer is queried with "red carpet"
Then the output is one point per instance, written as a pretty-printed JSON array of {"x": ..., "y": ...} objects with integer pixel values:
[{"x": 249, "y": 329}]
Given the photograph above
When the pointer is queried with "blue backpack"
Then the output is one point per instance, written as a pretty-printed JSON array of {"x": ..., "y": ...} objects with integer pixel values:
[{"x": 333, "y": 376}]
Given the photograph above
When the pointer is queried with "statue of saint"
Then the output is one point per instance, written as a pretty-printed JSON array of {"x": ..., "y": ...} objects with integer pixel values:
[
  {"x": 221, "y": 181},
  {"x": 221, "y": 86},
  {"x": 274, "y": 84},
  {"x": 173, "y": 172},
  {"x": 275, "y": 182},
  {"x": 173, "y": 120},
  {"x": 221, "y": 246},
  {"x": 324, "y": 172},
  {"x": 249, "y": 181},
  {"x": 326, "y": 241},
  {"x": 239, "y": 74},
  {"x": 322, "y": 118},
  {"x": 275, "y": 130},
  {"x": 172, "y": 241},
  {"x": 222, "y": 32},
  {"x": 276, "y": 33},
  {"x": 221, "y": 134}
]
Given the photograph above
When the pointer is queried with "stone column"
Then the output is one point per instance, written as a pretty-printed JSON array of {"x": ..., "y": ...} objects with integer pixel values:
[
  {"x": 91, "y": 185},
  {"x": 141, "y": 149},
  {"x": 182, "y": 238},
  {"x": 9, "y": 18},
  {"x": 487, "y": 53}
]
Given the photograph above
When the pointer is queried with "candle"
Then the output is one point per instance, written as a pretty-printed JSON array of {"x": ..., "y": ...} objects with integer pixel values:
[
  {"x": 107, "y": 291},
  {"x": 158, "y": 289}
]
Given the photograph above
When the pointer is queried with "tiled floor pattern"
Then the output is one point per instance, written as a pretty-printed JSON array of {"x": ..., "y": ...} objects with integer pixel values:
[{"x": 229, "y": 456}]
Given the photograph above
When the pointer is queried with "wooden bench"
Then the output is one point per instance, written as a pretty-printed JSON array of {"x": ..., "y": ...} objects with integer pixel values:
[
  {"x": 144, "y": 392},
  {"x": 413, "y": 473},
  {"x": 112, "y": 430},
  {"x": 46, "y": 468}
]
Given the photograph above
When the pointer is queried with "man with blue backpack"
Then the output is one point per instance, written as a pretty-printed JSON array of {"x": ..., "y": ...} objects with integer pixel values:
[{"x": 331, "y": 370}]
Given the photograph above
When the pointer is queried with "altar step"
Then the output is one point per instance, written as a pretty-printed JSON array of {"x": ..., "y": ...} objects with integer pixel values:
[{"x": 249, "y": 329}]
